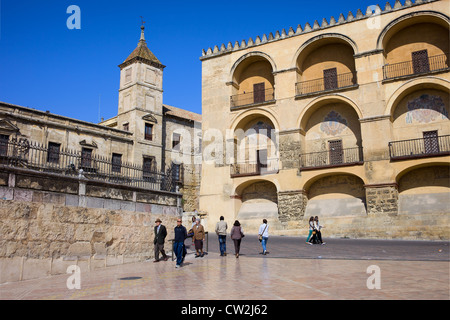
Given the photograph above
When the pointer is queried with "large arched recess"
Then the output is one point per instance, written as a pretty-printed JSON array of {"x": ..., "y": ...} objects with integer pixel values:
[
  {"x": 335, "y": 194},
  {"x": 422, "y": 83},
  {"x": 321, "y": 101},
  {"x": 417, "y": 17},
  {"x": 258, "y": 200},
  {"x": 424, "y": 189}
]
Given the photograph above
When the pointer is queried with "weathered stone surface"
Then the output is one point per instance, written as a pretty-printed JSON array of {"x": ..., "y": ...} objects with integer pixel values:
[
  {"x": 382, "y": 200},
  {"x": 291, "y": 205},
  {"x": 289, "y": 152},
  {"x": 51, "y": 236}
]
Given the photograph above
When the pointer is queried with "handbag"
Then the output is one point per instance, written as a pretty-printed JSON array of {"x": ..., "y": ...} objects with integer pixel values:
[{"x": 260, "y": 236}]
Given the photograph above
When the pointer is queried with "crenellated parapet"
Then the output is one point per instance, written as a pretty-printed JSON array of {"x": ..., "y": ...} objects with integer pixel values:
[{"x": 370, "y": 11}]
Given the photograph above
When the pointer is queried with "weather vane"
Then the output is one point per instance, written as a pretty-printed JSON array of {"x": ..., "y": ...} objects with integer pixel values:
[{"x": 142, "y": 20}]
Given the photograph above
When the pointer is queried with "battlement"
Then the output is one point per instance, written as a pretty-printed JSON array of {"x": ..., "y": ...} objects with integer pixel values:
[{"x": 370, "y": 11}]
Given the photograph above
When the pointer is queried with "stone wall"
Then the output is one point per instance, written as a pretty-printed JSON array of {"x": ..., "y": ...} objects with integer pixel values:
[
  {"x": 92, "y": 225},
  {"x": 382, "y": 199}
]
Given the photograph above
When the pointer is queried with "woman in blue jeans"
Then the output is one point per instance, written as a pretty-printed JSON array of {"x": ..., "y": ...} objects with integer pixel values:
[{"x": 264, "y": 233}]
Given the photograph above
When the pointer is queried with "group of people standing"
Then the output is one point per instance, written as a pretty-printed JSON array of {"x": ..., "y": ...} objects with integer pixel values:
[{"x": 197, "y": 232}]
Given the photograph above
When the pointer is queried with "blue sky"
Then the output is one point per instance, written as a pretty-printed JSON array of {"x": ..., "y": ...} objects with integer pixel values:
[{"x": 46, "y": 66}]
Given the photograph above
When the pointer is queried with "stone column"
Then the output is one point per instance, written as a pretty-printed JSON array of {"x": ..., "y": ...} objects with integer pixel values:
[
  {"x": 382, "y": 198},
  {"x": 291, "y": 206}
]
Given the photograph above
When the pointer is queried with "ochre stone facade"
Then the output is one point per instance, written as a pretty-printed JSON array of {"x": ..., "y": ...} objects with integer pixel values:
[{"x": 359, "y": 109}]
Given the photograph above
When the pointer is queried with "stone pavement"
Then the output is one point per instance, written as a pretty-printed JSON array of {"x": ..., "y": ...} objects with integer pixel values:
[{"x": 292, "y": 270}]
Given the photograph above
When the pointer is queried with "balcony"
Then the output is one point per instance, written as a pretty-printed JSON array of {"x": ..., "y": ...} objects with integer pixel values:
[
  {"x": 329, "y": 83},
  {"x": 421, "y": 65},
  {"x": 419, "y": 148},
  {"x": 248, "y": 99},
  {"x": 253, "y": 168},
  {"x": 64, "y": 163},
  {"x": 331, "y": 158}
]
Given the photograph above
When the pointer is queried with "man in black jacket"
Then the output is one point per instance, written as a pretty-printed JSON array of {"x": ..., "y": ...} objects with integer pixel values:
[
  {"x": 160, "y": 236},
  {"x": 178, "y": 244}
]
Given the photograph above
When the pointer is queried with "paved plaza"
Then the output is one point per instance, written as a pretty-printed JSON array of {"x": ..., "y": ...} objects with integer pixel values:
[{"x": 292, "y": 270}]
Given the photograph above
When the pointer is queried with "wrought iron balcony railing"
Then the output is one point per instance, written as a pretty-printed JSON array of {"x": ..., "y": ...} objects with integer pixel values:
[
  {"x": 34, "y": 156},
  {"x": 419, "y": 148},
  {"x": 254, "y": 97},
  {"x": 330, "y": 83},
  {"x": 331, "y": 158},
  {"x": 253, "y": 168},
  {"x": 416, "y": 67}
]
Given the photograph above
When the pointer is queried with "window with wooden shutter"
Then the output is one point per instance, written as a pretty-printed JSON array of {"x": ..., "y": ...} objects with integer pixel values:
[
  {"x": 148, "y": 135},
  {"x": 86, "y": 158},
  {"x": 259, "y": 93},
  {"x": 330, "y": 79},
  {"x": 116, "y": 162},
  {"x": 53, "y": 152},
  {"x": 420, "y": 61}
]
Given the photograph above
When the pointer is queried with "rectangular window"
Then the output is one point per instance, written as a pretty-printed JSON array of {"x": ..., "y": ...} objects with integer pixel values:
[
  {"x": 86, "y": 158},
  {"x": 4, "y": 139},
  {"x": 176, "y": 139},
  {"x": 149, "y": 170},
  {"x": 149, "y": 165},
  {"x": 431, "y": 142},
  {"x": 330, "y": 79},
  {"x": 177, "y": 172},
  {"x": 126, "y": 127},
  {"x": 116, "y": 162},
  {"x": 259, "y": 93},
  {"x": 53, "y": 152},
  {"x": 336, "y": 153},
  {"x": 128, "y": 75},
  {"x": 148, "y": 131},
  {"x": 420, "y": 61}
]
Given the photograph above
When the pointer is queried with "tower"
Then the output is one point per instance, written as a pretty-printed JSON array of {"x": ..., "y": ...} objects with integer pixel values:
[{"x": 140, "y": 102}]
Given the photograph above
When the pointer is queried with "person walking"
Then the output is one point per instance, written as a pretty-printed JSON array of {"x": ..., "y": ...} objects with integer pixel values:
[
  {"x": 236, "y": 235},
  {"x": 318, "y": 227},
  {"x": 178, "y": 243},
  {"x": 198, "y": 238},
  {"x": 311, "y": 229},
  {"x": 263, "y": 233},
  {"x": 221, "y": 231},
  {"x": 158, "y": 241}
]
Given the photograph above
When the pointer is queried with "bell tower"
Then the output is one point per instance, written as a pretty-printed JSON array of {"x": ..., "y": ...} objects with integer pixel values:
[{"x": 140, "y": 101}]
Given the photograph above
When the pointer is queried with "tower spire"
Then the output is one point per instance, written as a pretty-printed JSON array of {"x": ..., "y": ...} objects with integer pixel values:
[{"x": 142, "y": 30}]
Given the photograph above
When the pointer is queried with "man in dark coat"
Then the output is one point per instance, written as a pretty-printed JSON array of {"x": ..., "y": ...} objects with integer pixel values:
[
  {"x": 160, "y": 236},
  {"x": 178, "y": 244}
]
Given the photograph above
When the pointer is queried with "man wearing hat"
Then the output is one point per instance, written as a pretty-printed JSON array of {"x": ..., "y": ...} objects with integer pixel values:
[{"x": 160, "y": 236}]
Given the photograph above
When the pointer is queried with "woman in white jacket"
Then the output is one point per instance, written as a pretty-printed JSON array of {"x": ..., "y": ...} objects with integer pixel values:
[{"x": 264, "y": 235}]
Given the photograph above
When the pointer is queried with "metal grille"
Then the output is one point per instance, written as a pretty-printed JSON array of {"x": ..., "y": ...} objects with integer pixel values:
[
  {"x": 430, "y": 142},
  {"x": 336, "y": 154},
  {"x": 420, "y": 61},
  {"x": 416, "y": 66},
  {"x": 430, "y": 145},
  {"x": 337, "y": 157},
  {"x": 330, "y": 81},
  {"x": 250, "y": 98}
]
